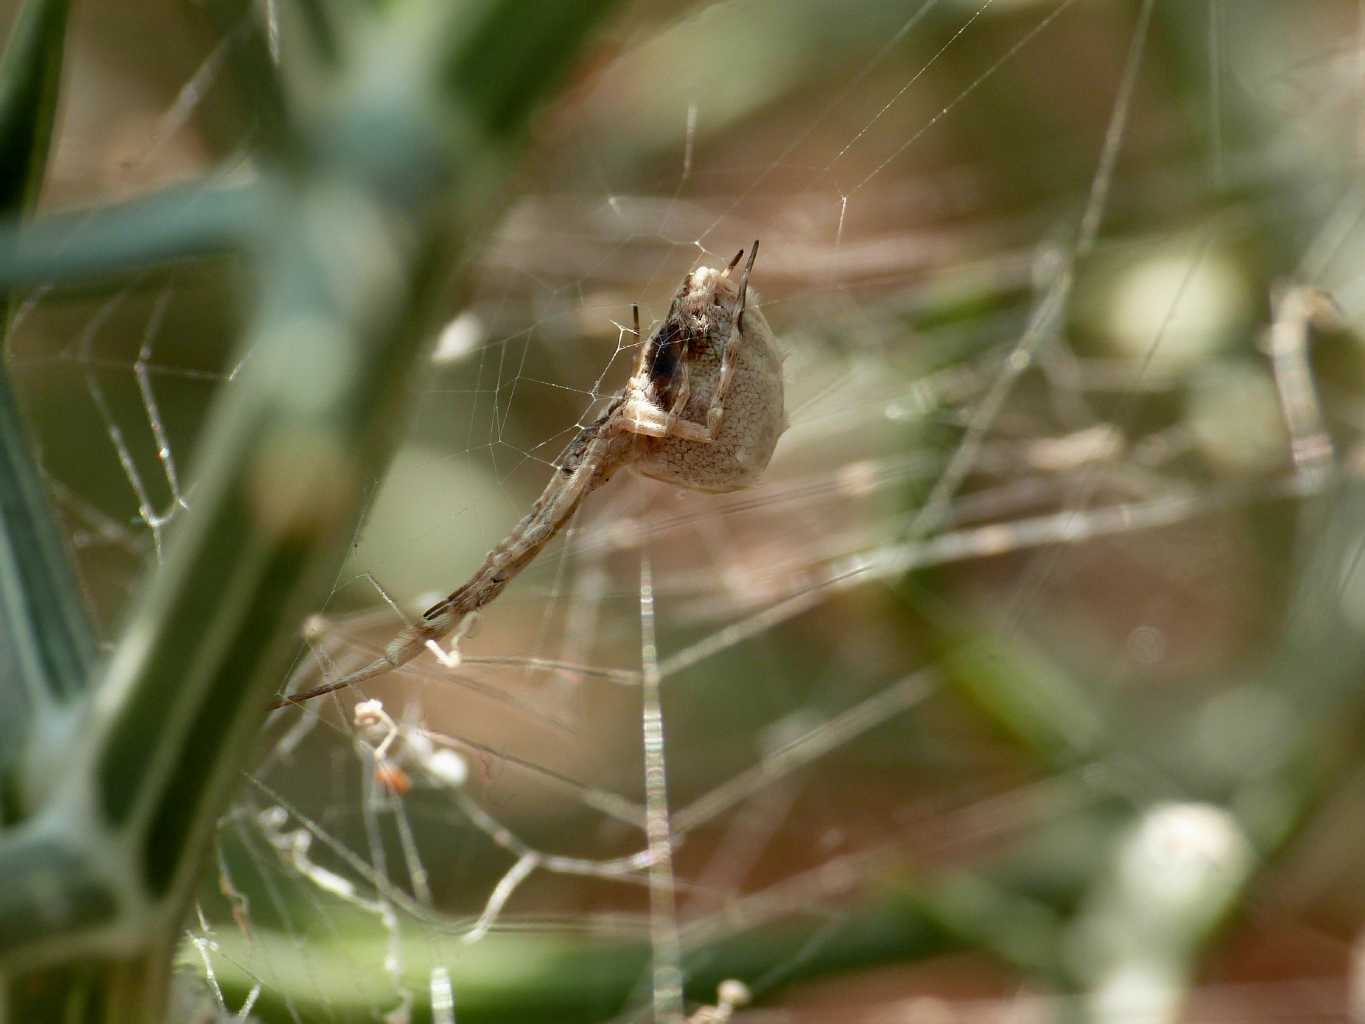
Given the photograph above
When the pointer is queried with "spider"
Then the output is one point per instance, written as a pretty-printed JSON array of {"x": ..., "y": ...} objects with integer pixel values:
[{"x": 703, "y": 410}]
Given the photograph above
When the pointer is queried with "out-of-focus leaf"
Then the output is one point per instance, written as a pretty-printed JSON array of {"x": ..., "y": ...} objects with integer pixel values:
[
  {"x": 46, "y": 637},
  {"x": 30, "y": 72}
]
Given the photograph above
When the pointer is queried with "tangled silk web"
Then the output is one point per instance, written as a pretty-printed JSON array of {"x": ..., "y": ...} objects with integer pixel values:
[{"x": 1043, "y": 273}]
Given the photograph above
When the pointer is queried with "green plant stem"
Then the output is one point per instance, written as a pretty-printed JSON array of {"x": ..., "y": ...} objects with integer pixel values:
[
  {"x": 46, "y": 641},
  {"x": 519, "y": 977},
  {"x": 45, "y": 633},
  {"x": 30, "y": 72},
  {"x": 170, "y": 226},
  {"x": 399, "y": 182}
]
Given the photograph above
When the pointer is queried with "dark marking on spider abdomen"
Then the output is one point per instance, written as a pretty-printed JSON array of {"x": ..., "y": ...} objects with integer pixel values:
[{"x": 666, "y": 351}]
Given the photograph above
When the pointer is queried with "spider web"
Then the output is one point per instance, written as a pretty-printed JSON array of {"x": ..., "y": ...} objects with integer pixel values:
[{"x": 1035, "y": 506}]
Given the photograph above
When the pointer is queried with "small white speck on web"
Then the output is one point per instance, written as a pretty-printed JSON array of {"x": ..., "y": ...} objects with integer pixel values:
[
  {"x": 448, "y": 767},
  {"x": 734, "y": 993},
  {"x": 458, "y": 339}
]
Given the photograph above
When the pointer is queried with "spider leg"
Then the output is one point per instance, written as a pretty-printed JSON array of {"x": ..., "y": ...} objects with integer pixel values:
[
  {"x": 589, "y": 462},
  {"x": 641, "y": 415},
  {"x": 744, "y": 282},
  {"x": 727, "y": 359},
  {"x": 684, "y": 391}
]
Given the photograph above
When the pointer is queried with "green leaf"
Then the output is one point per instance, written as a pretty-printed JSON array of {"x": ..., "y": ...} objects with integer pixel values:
[
  {"x": 45, "y": 634},
  {"x": 30, "y": 72},
  {"x": 180, "y": 223}
]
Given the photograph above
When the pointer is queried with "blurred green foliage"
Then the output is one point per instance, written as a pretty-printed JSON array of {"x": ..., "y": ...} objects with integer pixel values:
[{"x": 1140, "y": 659}]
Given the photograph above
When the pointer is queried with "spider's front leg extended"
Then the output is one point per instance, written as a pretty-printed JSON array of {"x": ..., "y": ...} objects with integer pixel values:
[
  {"x": 592, "y": 457},
  {"x": 590, "y": 460},
  {"x": 728, "y": 359}
]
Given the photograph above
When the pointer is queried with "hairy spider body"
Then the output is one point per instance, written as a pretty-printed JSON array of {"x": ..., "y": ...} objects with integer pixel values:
[{"x": 703, "y": 410}]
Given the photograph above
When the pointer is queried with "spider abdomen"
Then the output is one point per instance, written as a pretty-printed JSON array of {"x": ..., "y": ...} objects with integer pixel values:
[{"x": 754, "y": 414}]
